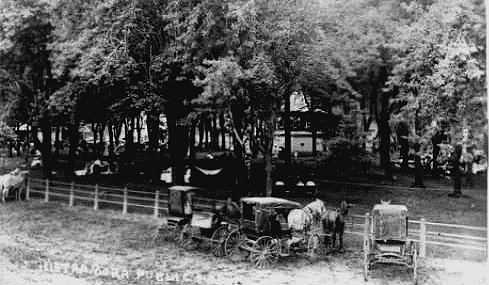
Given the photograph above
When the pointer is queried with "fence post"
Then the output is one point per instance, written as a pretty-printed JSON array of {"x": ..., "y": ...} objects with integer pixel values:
[
  {"x": 422, "y": 238},
  {"x": 157, "y": 203},
  {"x": 124, "y": 203},
  {"x": 95, "y": 198},
  {"x": 72, "y": 194},
  {"x": 366, "y": 232},
  {"x": 28, "y": 189},
  {"x": 46, "y": 191}
]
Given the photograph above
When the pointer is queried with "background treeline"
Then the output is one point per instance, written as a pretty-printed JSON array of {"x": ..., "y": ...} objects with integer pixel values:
[{"x": 416, "y": 68}]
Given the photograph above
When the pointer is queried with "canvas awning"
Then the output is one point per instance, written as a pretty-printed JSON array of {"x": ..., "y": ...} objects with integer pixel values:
[{"x": 272, "y": 202}]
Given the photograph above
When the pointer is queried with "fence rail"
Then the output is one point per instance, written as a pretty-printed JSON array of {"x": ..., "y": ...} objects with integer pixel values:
[{"x": 423, "y": 232}]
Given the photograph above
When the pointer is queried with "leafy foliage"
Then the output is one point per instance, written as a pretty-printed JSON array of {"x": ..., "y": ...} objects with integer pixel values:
[{"x": 108, "y": 62}]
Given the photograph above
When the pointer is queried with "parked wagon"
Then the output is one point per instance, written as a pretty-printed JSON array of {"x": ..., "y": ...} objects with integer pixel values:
[
  {"x": 264, "y": 233},
  {"x": 180, "y": 208},
  {"x": 205, "y": 228},
  {"x": 386, "y": 241}
]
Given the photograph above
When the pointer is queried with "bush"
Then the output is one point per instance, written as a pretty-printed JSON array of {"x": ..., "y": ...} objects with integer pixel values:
[{"x": 346, "y": 156}]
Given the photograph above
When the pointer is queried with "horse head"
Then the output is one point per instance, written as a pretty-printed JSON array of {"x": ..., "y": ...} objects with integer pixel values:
[{"x": 344, "y": 206}]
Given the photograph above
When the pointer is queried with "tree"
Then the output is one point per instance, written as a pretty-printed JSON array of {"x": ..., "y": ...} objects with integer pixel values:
[
  {"x": 26, "y": 33},
  {"x": 439, "y": 70}
]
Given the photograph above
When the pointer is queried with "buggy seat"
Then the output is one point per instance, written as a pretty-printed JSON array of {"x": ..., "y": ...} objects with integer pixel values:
[{"x": 204, "y": 220}]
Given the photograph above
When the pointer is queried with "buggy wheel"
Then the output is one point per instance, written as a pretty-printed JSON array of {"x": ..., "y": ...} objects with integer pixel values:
[
  {"x": 265, "y": 252},
  {"x": 172, "y": 232},
  {"x": 217, "y": 241},
  {"x": 175, "y": 233},
  {"x": 232, "y": 243},
  {"x": 185, "y": 238},
  {"x": 313, "y": 246}
]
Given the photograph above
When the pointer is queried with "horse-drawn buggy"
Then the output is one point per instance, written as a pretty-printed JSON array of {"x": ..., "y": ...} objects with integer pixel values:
[
  {"x": 179, "y": 208},
  {"x": 386, "y": 239},
  {"x": 264, "y": 233},
  {"x": 189, "y": 226}
]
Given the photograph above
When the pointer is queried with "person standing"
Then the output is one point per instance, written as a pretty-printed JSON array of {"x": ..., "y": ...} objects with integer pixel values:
[
  {"x": 468, "y": 162},
  {"x": 418, "y": 167},
  {"x": 456, "y": 172}
]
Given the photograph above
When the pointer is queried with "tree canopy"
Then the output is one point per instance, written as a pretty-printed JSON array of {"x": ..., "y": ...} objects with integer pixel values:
[{"x": 67, "y": 62}]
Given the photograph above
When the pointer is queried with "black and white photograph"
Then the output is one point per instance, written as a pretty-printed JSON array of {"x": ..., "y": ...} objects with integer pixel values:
[{"x": 243, "y": 142}]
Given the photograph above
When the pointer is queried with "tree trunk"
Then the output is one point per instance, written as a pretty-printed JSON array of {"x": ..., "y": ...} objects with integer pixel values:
[
  {"x": 95, "y": 134},
  {"x": 46, "y": 150},
  {"x": 237, "y": 117},
  {"x": 101, "y": 148},
  {"x": 418, "y": 167},
  {"x": 436, "y": 140},
  {"x": 207, "y": 133},
  {"x": 192, "y": 140},
  {"x": 402, "y": 137},
  {"x": 138, "y": 128},
  {"x": 287, "y": 134},
  {"x": 153, "y": 128},
  {"x": 10, "y": 148},
  {"x": 270, "y": 127},
  {"x": 384, "y": 132},
  {"x": 314, "y": 133},
  {"x": 130, "y": 133},
  {"x": 222, "y": 128},
  {"x": 56, "y": 143},
  {"x": 201, "y": 133},
  {"x": 18, "y": 142},
  {"x": 73, "y": 138},
  {"x": 35, "y": 139},
  {"x": 111, "y": 140},
  {"x": 215, "y": 133},
  {"x": 117, "y": 133},
  {"x": 175, "y": 143}
]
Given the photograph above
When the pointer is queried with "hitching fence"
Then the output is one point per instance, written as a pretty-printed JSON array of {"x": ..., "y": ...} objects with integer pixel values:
[{"x": 156, "y": 203}]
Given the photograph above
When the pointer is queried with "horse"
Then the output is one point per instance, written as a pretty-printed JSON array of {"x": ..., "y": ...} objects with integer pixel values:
[
  {"x": 302, "y": 219},
  {"x": 15, "y": 180},
  {"x": 334, "y": 223}
]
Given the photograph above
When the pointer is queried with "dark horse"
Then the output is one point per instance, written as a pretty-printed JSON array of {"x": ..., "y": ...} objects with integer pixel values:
[{"x": 334, "y": 223}]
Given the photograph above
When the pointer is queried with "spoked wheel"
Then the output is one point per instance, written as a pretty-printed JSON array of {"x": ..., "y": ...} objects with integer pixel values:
[
  {"x": 265, "y": 252},
  {"x": 175, "y": 233},
  {"x": 314, "y": 246},
  {"x": 217, "y": 241},
  {"x": 186, "y": 234},
  {"x": 234, "y": 246},
  {"x": 232, "y": 242}
]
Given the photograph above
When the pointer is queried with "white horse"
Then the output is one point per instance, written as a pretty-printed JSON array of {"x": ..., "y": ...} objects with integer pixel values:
[
  {"x": 15, "y": 180},
  {"x": 301, "y": 219}
]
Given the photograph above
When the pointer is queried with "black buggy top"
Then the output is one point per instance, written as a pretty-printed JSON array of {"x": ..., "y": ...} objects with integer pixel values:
[
  {"x": 258, "y": 213},
  {"x": 180, "y": 199}
]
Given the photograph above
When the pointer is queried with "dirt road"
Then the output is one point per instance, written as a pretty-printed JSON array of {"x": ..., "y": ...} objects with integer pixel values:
[{"x": 36, "y": 236}]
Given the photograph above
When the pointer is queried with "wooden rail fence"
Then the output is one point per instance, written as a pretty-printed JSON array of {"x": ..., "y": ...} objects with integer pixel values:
[{"x": 156, "y": 203}]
